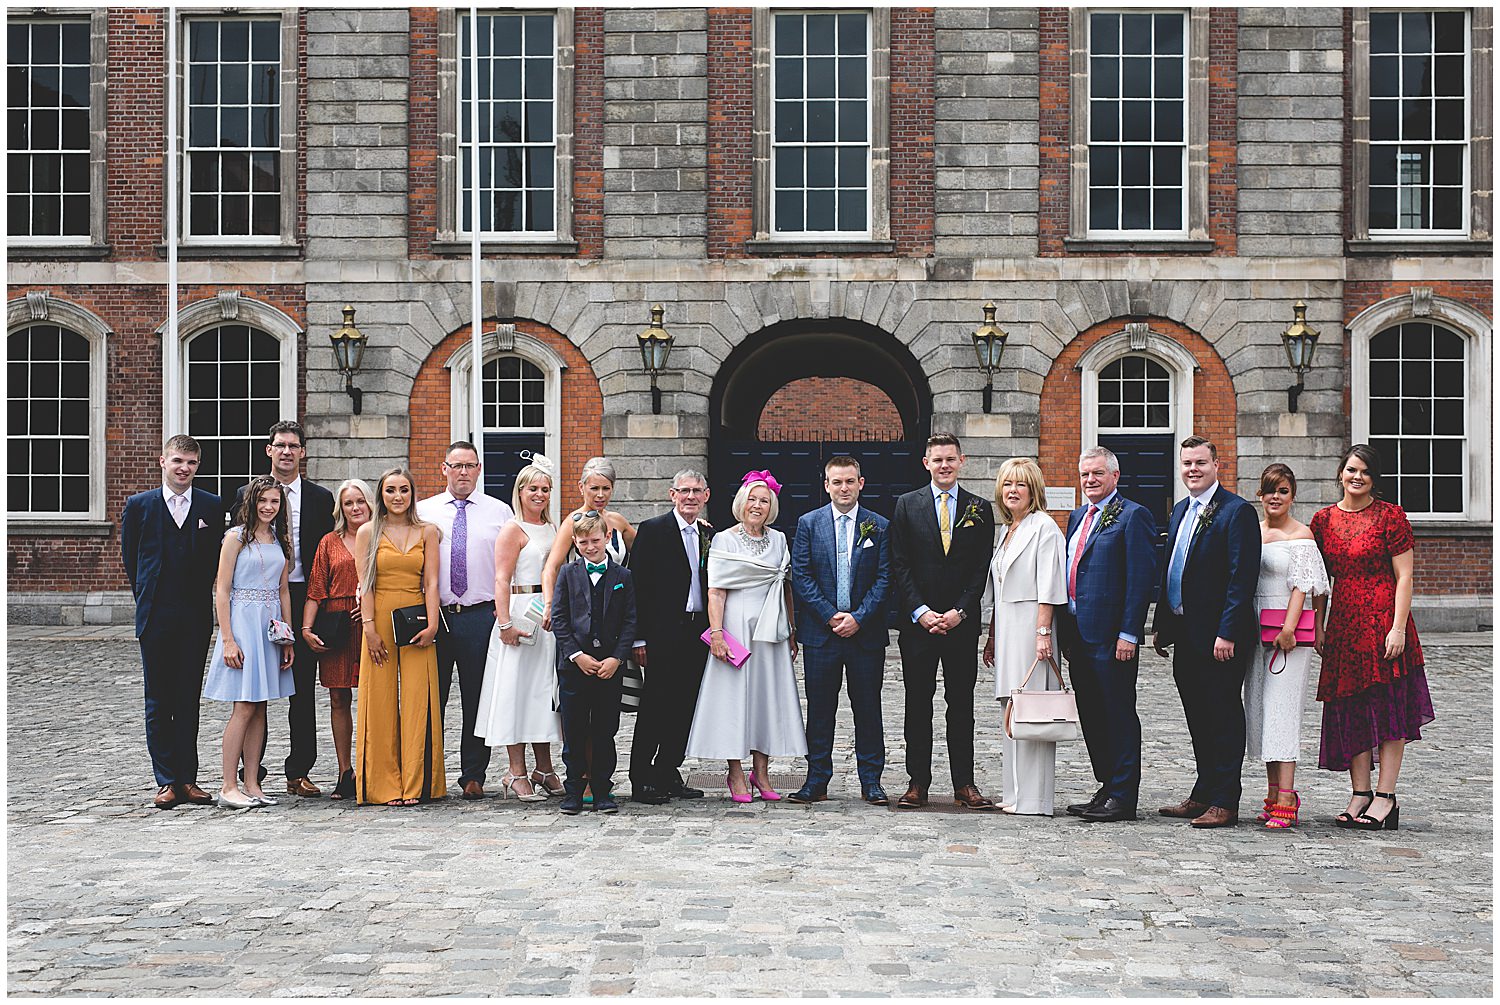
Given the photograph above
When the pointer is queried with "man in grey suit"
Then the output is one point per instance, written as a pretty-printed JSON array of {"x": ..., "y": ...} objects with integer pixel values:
[{"x": 841, "y": 576}]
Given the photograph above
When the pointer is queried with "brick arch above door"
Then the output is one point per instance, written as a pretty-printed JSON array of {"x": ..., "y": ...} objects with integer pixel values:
[
  {"x": 580, "y": 413},
  {"x": 1213, "y": 398}
]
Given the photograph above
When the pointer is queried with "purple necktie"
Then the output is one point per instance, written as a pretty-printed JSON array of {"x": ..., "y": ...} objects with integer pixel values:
[{"x": 458, "y": 567}]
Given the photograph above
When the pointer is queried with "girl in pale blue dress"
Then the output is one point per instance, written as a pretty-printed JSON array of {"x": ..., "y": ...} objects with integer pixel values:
[{"x": 247, "y": 667}]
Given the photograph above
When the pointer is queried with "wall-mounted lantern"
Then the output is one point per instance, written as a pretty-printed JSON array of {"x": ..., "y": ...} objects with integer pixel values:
[
  {"x": 989, "y": 345},
  {"x": 656, "y": 346},
  {"x": 349, "y": 354},
  {"x": 1300, "y": 341}
]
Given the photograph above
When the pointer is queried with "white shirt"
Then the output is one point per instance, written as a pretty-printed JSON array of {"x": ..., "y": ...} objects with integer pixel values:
[
  {"x": 690, "y": 545},
  {"x": 187, "y": 502},
  {"x": 853, "y": 515},
  {"x": 293, "y": 526},
  {"x": 484, "y": 515},
  {"x": 937, "y": 509}
]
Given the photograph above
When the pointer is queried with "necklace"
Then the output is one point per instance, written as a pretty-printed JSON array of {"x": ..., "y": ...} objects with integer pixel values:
[
  {"x": 1345, "y": 509},
  {"x": 756, "y": 545}
]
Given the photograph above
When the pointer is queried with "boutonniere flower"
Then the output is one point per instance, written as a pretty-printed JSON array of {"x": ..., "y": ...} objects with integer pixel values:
[
  {"x": 866, "y": 531},
  {"x": 1111, "y": 512},
  {"x": 970, "y": 517},
  {"x": 1206, "y": 518}
]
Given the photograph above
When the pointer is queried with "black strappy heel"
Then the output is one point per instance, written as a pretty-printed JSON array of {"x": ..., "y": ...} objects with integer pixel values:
[
  {"x": 1347, "y": 819},
  {"x": 1392, "y": 820}
]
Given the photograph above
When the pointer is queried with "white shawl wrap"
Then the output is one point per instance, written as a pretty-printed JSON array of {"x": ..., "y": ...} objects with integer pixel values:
[{"x": 732, "y": 571}]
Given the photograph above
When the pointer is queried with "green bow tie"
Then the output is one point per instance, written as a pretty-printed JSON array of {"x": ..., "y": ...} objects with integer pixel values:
[{"x": 592, "y": 568}]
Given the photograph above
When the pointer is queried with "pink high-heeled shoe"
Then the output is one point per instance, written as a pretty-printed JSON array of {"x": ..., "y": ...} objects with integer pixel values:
[
  {"x": 767, "y": 793},
  {"x": 739, "y": 797}
]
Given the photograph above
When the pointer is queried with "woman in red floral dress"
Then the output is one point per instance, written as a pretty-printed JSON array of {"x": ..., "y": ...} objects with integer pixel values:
[{"x": 1373, "y": 685}]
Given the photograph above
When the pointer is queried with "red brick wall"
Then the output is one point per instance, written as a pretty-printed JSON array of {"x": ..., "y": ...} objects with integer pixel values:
[
  {"x": 133, "y": 432},
  {"x": 1062, "y": 391},
  {"x": 582, "y": 412},
  {"x": 730, "y": 127},
  {"x": 1056, "y": 115},
  {"x": 422, "y": 132},
  {"x": 911, "y": 192},
  {"x": 830, "y": 408}
]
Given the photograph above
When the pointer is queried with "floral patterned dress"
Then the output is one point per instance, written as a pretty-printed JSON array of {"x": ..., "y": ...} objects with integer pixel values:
[{"x": 1367, "y": 699}]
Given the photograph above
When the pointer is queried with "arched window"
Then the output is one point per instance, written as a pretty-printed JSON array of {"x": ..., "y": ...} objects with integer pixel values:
[
  {"x": 48, "y": 447},
  {"x": 1135, "y": 395},
  {"x": 1419, "y": 369},
  {"x": 234, "y": 396},
  {"x": 56, "y": 357}
]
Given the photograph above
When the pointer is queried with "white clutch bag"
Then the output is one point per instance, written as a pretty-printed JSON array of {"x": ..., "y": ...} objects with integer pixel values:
[{"x": 1042, "y": 716}]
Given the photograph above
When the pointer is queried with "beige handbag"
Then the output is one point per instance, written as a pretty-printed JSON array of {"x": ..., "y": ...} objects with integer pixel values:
[{"x": 1042, "y": 716}]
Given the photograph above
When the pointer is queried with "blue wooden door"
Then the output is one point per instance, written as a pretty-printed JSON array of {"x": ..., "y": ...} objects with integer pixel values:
[{"x": 1148, "y": 476}]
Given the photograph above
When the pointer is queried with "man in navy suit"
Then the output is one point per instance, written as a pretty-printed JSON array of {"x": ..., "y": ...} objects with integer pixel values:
[
  {"x": 1111, "y": 572},
  {"x": 169, "y": 543},
  {"x": 841, "y": 575},
  {"x": 1206, "y": 608}
]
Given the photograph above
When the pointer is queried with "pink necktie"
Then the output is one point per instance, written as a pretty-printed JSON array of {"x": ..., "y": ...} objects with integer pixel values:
[{"x": 1083, "y": 536}]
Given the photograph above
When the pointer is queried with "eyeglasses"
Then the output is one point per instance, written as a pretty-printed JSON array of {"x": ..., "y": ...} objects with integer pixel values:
[
  {"x": 286, "y": 447},
  {"x": 585, "y": 513},
  {"x": 690, "y": 491},
  {"x": 462, "y": 466}
]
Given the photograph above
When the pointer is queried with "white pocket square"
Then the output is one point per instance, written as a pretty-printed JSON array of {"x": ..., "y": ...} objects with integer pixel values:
[
  {"x": 201, "y": 524},
  {"x": 868, "y": 543}
]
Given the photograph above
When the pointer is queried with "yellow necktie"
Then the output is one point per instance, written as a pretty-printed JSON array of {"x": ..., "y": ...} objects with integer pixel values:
[{"x": 945, "y": 522}]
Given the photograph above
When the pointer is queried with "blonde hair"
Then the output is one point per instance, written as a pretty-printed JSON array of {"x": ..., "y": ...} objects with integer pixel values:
[
  {"x": 339, "y": 523},
  {"x": 738, "y": 506},
  {"x": 587, "y": 522},
  {"x": 540, "y": 467},
  {"x": 1025, "y": 471},
  {"x": 377, "y": 522}
]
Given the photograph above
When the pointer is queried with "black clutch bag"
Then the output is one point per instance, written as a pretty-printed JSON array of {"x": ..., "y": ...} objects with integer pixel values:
[
  {"x": 408, "y": 622},
  {"x": 332, "y": 627}
]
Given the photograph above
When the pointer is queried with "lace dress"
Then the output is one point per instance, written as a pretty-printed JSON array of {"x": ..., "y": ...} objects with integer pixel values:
[
  {"x": 1274, "y": 700},
  {"x": 254, "y": 599},
  {"x": 1367, "y": 699}
]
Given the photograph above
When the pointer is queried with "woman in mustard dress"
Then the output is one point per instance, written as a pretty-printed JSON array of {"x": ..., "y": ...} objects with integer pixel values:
[{"x": 398, "y": 755}]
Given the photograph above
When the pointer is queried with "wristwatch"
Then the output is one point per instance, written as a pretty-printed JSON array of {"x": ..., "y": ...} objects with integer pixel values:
[{"x": 1044, "y": 632}]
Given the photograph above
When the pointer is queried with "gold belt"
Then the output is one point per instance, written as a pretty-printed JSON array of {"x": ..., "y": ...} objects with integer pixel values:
[{"x": 525, "y": 589}]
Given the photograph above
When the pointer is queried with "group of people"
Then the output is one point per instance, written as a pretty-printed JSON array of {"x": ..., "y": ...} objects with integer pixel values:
[{"x": 553, "y": 629}]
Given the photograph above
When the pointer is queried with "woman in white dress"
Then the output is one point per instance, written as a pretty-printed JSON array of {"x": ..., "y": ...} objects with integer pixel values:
[
  {"x": 518, "y": 700},
  {"x": 1028, "y": 578},
  {"x": 753, "y": 709},
  {"x": 1291, "y": 571}
]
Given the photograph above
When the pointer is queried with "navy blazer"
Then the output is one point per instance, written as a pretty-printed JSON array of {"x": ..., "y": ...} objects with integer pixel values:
[
  {"x": 1115, "y": 575},
  {"x": 923, "y": 574},
  {"x": 142, "y": 526},
  {"x": 815, "y": 578},
  {"x": 570, "y": 612},
  {"x": 1218, "y": 578},
  {"x": 660, "y": 569}
]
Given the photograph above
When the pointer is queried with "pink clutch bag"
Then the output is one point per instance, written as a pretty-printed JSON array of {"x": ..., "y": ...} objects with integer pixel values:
[
  {"x": 738, "y": 654},
  {"x": 1271, "y": 622}
]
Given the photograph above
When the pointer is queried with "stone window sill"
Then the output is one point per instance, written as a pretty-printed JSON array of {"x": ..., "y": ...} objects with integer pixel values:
[
  {"x": 499, "y": 249},
  {"x": 1405, "y": 246},
  {"x": 1183, "y": 246},
  {"x": 56, "y": 252},
  {"x": 1450, "y": 528},
  {"x": 236, "y": 251},
  {"x": 769, "y": 246},
  {"x": 34, "y": 527}
]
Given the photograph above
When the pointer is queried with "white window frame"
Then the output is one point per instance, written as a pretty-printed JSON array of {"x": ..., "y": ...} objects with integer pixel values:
[
  {"x": 1195, "y": 179},
  {"x": 93, "y": 241},
  {"x": 448, "y": 237},
  {"x": 1477, "y": 330},
  {"x": 228, "y": 308},
  {"x": 288, "y": 83},
  {"x": 1136, "y": 340},
  {"x": 40, "y": 308},
  {"x": 1433, "y": 143},
  {"x": 508, "y": 342},
  {"x": 1145, "y": 429},
  {"x": 837, "y": 145}
]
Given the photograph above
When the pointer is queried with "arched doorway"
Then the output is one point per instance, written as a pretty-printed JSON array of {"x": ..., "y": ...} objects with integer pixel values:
[{"x": 799, "y": 392}]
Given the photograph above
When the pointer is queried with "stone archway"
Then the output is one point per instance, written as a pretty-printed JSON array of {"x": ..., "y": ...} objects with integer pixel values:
[{"x": 833, "y": 386}]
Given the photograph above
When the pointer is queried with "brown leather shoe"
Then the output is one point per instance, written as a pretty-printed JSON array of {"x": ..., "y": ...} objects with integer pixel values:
[
  {"x": 190, "y": 793},
  {"x": 1185, "y": 810},
  {"x": 915, "y": 798},
  {"x": 302, "y": 787},
  {"x": 473, "y": 790},
  {"x": 166, "y": 797},
  {"x": 1217, "y": 816},
  {"x": 971, "y": 797}
]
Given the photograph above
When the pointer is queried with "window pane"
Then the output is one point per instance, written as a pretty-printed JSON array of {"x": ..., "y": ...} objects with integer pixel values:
[{"x": 820, "y": 214}]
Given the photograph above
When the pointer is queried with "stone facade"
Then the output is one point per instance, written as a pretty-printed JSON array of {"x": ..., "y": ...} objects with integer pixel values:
[{"x": 648, "y": 101}]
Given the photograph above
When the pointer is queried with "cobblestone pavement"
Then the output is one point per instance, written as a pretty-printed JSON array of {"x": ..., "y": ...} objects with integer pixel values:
[{"x": 110, "y": 896}]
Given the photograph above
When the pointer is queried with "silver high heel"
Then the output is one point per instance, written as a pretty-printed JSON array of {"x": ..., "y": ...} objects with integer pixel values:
[
  {"x": 508, "y": 785},
  {"x": 539, "y": 780}
]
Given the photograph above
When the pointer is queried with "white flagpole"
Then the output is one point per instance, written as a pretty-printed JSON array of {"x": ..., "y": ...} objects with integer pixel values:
[
  {"x": 476, "y": 306},
  {"x": 169, "y": 347}
]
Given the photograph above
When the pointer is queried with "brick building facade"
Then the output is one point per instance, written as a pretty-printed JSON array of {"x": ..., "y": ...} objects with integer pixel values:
[{"x": 1142, "y": 200}]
